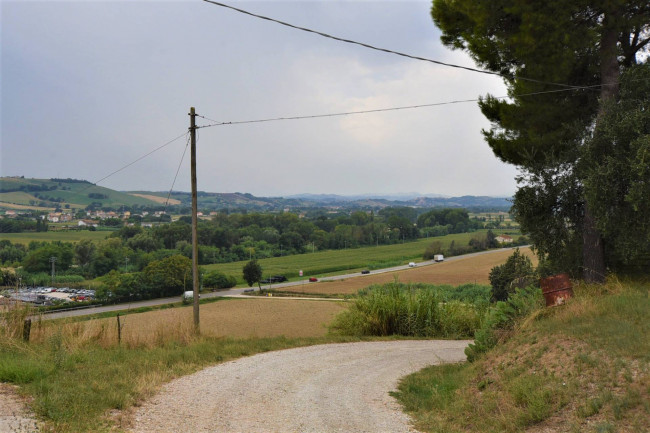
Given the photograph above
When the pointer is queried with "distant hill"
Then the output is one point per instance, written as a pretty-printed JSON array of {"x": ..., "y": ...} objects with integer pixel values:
[
  {"x": 21, "y": 193},
  {"x": 45, "y": 194}
]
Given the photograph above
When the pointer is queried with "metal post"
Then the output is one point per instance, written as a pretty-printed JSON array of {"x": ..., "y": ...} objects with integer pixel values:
[{"x": 195, "y": 244}]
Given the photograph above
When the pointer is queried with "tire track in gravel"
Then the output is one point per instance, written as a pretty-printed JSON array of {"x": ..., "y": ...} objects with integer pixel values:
[{"x": 325, "y": 388}]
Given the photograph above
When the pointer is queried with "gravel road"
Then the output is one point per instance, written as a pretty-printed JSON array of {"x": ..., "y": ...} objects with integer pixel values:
[
  {"x": 13, "y": 415},
  {"x": 326, "y": 388}
]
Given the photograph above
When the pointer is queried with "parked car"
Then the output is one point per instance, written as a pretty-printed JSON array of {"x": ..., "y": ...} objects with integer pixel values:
[
  {"x": 313, "y": 279},
  {"x": 274, "y": 279}
]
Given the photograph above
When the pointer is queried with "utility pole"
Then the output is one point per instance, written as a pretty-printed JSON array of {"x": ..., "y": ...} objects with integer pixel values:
[
  {"x": 53, "y": 261},
  {"x": 195, "y": 242}
]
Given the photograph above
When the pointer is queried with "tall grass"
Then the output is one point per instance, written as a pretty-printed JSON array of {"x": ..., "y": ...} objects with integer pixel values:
[
  {"x": 583, "y": 366},
  {"x": 77, "y": 373},
  {"x": 12, "y": 318},
  {"x": 410, "y": 310}
]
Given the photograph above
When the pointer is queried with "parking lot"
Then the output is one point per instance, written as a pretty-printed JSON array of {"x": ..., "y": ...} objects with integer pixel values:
[{"x": 50, "y": 295}]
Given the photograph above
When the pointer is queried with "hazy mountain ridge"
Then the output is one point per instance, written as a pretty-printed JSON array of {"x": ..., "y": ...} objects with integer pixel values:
[{"x": 48, "y": 193}]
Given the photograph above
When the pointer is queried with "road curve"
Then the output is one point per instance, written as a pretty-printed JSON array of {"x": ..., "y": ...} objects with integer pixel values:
[{"x": 325, "y": 388}]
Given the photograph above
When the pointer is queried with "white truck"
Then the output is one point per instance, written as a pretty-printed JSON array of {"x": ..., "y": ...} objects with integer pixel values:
[{"x": 438, "y": 258}]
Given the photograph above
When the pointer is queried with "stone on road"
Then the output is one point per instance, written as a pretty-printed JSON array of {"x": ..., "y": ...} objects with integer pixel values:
[{"x": 326, "y": 388}]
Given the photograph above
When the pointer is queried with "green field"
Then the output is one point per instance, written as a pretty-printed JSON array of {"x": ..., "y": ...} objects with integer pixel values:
[
  {"x": 73, "y": 193},
  {"x": 334, "y": 261},
  {"x": 18, "y": 197},
  {"x": 64, "y": 236}
]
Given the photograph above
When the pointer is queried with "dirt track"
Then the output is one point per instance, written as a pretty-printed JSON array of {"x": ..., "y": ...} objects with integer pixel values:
[{"x": 326, "y": 388}]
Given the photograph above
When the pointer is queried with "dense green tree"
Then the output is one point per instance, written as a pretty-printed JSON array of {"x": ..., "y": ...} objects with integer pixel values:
[
  {"x": 617, "y": 172},
  {"x": 38, "y": 260},
  {"x": 542, "y": 48},
  {"x": 10, "y": 253},
  {"x": 169, "y": 234},
  {"x": 145, "y": 242},
  {"x": 252, "y": 273},
  {"x": 84, "y": 252},
  {"x": 110, "y": 254},
  {"x": 127, "y": 232},
  {"x": 403, "y": 212},
  {"x": 169, "y": 276},
  {"x": 516, "y": 271}
]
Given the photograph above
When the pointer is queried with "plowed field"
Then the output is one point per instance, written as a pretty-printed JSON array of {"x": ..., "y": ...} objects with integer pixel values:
[{"x": 458, "y": 271}]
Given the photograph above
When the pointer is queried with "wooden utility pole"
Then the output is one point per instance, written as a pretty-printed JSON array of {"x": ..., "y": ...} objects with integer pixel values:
[{"x": 195, "y": 240}]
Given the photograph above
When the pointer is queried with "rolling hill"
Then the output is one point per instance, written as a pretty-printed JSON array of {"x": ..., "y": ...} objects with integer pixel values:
[{"x": 47, "y": 194}]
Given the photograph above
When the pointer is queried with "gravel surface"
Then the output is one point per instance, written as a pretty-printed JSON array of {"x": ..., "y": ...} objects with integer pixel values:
[
  {"x": 326, "y": 388},
  {"x": 14, "y": 418}
]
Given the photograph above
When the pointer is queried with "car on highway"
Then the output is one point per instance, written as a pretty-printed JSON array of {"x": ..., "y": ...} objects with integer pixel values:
[
  {"x": 411, "y": 264},
  {"x": 313, "y": 279},
  {"x": 365, "y": 271}
]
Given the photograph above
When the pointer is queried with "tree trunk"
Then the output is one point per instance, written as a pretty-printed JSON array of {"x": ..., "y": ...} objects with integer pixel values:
[{"x": 593, "y": 253}]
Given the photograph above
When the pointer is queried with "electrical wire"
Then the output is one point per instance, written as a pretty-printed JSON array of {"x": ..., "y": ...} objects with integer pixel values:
[
  {"x": 377, "y": 110},
  {"x": 385, "y": 50},
  {"x": 187, "y": 143},
  {"x": 142, "y": 157}
]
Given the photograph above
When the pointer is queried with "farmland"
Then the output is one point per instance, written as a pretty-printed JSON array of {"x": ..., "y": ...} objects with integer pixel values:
[
  {"x": 229, "y": 317},
  {"x": 322, "y": 263},
  {"x": 54, "y": 192},
  {"x": 77, "y": 373},
  {"x": 462, "y": 270},
  {"x": 63, "y": 236}
]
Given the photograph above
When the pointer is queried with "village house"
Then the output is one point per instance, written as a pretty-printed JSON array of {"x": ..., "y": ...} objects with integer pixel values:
[
  {"x": 504, "y": 239},
  {"x": 87, "y": 223}
]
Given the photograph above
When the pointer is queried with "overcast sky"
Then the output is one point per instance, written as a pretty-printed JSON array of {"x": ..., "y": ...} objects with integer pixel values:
[{"x": 89, "y": 87}]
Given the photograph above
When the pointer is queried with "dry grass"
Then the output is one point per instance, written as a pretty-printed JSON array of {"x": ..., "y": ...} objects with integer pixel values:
[
  {"x": 474, "y": 269},
  {"x": 238, "y": 318},
  {"x": 157, "y": 199}
]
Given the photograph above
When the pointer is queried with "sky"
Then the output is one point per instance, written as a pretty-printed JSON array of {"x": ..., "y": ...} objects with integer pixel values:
[{"x": 89, "y": 87}]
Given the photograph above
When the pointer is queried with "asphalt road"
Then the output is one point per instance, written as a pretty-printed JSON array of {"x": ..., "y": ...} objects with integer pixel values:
[{"x": 241, "y": 291}]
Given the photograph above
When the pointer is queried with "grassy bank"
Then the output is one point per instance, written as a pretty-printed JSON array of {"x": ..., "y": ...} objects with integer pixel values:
[{"x": 582, "y": 367}]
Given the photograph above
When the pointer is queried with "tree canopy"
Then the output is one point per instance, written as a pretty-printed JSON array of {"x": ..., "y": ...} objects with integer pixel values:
[{"x": 561, "y": 62}]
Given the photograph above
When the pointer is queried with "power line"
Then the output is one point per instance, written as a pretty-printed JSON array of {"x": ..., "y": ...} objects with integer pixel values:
[
  {"x": 187, "y": 143},
  {"x": 142, "y": 157},
  {"x": 377, "y": 110},
  {"x": 385, "y": 50}
]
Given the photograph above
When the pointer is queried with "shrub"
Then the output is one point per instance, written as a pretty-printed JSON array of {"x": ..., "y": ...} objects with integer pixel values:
[
  {"x": 502, "y": 317},
  {"x": 433, "y": 249},
  {"x": 218, "y": 280},
  {"x": 517, "y": 271}
]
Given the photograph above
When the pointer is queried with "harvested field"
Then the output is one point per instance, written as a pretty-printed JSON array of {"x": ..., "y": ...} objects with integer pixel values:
[
  {"x": 460, "y": 270},
  {"x": 157, "y": 199},
  {"x": 240, "y": 318}
]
